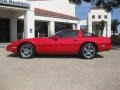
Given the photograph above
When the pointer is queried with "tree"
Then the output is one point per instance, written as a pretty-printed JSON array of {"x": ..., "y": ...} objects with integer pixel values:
[
  {"x": 106, "y": 4},
  {"x": 114, "y": 26},
  {"x": 98, "y": 27},
  {"x": 102, "y": 26}
]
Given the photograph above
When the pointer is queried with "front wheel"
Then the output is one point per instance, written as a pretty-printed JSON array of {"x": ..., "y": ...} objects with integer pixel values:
[
  {"x": 26, "y": 51},
  {"x": 88, "y": 51}
]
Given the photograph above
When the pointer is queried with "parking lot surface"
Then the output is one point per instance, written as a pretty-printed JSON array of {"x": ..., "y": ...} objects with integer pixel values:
[{"x": 60, "y": 72}]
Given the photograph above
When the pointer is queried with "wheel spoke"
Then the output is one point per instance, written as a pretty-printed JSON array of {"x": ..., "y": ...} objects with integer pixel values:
[
  {"x": 86, "y": 49},
  {"x": 23, "y": 49}
]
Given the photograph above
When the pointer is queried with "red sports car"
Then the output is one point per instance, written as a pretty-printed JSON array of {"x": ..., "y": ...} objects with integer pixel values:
[{"x": 63, "y": 42}]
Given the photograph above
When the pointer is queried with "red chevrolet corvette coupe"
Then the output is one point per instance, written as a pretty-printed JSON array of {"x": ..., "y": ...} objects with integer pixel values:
[{"x": 63, "y": 42}]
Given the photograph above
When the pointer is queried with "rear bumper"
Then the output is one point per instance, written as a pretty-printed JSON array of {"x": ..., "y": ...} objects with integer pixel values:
[{"x": 104, "y": 47}]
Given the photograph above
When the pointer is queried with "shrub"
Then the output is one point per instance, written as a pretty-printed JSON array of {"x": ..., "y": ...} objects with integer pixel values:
[{"x": 116, "y": 39}]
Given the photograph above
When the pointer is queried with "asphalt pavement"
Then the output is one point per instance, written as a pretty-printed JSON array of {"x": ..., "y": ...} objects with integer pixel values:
[{"x": 60, "y": 72}]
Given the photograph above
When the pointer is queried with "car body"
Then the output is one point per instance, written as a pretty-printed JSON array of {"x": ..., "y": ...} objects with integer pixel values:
[{"x": 66, "y": 41}]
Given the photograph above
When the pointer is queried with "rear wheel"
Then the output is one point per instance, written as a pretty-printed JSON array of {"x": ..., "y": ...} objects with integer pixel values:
[
  {"x": 88, "y": 51},
  {"x": 26, "y": 50}
]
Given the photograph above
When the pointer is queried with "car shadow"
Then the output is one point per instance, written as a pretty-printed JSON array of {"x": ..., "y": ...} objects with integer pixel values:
[
  {"x": 56, "y": 56},
  {"x": 13, "y": 55},
  {"x": 98, "y": 56}
]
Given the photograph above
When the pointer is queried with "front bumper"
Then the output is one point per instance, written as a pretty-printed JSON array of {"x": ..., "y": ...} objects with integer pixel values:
[{"x": 12, "y": 48}]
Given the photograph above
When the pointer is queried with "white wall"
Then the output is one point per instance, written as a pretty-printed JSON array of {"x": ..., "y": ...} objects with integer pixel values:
[
  {"x": 61, "y": 6},
  {"x": 83, "y": 23},
  {"x": 96, "y": 13},
  {"x": 29, "y": 25}
]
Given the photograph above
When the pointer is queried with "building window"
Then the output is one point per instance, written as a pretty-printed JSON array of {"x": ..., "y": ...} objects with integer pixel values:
[
  {"x": 105, "y": 16},
  {"x": 41, "y": 29},
  {"x": 72, "y": 1},
  {"x": 99, "y": 17},
  {"x": 93, "y": 16},
  {"x": 59, "y": 26}
]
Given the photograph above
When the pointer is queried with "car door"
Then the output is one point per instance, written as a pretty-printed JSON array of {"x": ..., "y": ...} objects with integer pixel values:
[{"x": 64, "y": 42}]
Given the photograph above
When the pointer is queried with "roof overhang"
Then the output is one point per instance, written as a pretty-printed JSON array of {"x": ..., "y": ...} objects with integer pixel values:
[{"x": 46, "y": 13}]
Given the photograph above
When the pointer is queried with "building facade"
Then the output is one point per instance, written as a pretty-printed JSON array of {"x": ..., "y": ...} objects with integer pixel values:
[
  {"x": 97, "y": 15},
  {"x": 10, "y": 10},
  {"x": 38, "y": 18},
  {"x": 32, "y": 18}
]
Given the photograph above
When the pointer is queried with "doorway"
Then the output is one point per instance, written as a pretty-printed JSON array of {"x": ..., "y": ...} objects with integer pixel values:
[
  {"x": 41, "y": 29},
  {"x": 4, "y": 30}
]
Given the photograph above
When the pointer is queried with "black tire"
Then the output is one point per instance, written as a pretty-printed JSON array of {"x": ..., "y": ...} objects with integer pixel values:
[
  {"x": 88, "y": 51},
  {"x": 26, "y": 51}
]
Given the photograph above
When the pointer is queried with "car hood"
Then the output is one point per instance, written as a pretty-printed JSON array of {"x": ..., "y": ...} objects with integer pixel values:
[{"x": 31, "y": 40}]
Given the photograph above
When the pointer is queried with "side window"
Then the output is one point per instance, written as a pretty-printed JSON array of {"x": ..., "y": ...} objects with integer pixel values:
[
  {"x": 74, "y": 34},
  {"x": 67, "y": 34},
  {"x": 105, "y": 16}
]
